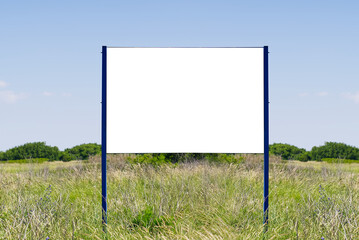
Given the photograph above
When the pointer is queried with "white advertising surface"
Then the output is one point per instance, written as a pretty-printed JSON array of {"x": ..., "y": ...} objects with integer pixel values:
[{"x": 176, "y": 100}]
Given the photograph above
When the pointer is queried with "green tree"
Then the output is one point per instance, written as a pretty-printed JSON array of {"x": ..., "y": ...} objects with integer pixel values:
[
  {"x": 82, "y": 152},
  {"x": 306, "y": 156},
  {"x": 335, "y": 150},
  {"x": 64, "y": 156},
  {"x": 286, "y": 151},
  {"x": 32, "y": 150},
  {"x": 2, "y": 156}
]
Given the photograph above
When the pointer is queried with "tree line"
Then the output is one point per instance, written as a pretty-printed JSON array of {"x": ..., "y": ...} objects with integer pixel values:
[
  {"x": 328, "y": 150},
  {"x": 40, "y": 150}
]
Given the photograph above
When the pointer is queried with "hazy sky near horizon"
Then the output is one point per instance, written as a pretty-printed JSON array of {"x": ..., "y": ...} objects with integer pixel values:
[{"x": 50, "y": 74}]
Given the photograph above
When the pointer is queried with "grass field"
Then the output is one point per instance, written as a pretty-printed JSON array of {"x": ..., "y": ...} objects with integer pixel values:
[{"x": 198, "y": 200}]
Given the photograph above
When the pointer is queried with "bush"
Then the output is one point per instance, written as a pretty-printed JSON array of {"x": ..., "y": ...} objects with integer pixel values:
[
  {"x": 304, "y": 157},
  {"x": 148, "y": 158},
  {"x": 224, "y": 158},
  {"x": 181, "y": 157},
  {"x": 64, "y": 156},
  {"x": 32, "y": 150},
  {"x": 287, "y": 151},
  {"x": 161, "y": 158},
  {"x": 81, "y": 152},
  {"x": 335, "y": 150}
]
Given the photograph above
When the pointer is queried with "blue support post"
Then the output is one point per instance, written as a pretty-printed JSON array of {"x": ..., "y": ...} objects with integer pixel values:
[
  {"x": 266, "y": 138},
  {"x": 103, "y": 138}
]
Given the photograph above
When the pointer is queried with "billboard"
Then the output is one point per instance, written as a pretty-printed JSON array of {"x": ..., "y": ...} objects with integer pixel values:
[{"x": 173, "y": 100}]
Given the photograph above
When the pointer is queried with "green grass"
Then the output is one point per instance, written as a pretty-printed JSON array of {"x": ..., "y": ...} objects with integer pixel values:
[
  {"x": 198, "y": 200},
  {"x": 33, "y": 160},
  {"x": 338, "y": 160}
]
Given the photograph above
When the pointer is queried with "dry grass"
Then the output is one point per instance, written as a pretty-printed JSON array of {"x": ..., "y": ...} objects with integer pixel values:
[{"x": 196, "y": 200}]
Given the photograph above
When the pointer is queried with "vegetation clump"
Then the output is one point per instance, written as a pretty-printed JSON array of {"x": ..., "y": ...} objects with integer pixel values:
[
  {"x": 335, "y": 150},
  {"x": 332, "y": 150},
  {"x": 169, "y": 158},
  {"x": 81, "y": 152},
  {"x": 31, "y": 150},
  {"x": 39, "y": 150},
  {"x": 148, "y": 219},
  {"x": 286, "y": 151}
]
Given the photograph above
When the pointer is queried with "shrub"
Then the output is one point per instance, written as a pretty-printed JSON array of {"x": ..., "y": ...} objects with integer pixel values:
[
  {"x": 286, "y": 151},
  {"x": 181, "y": 157},
  {"x": 306, "y": 156},
  {"x": 32, "y": 150},
  {"x": 82, "y": 151},
  {"x": 224, "y": 158},
  {"x": 161, "y": 158},
  {"x": 148, "y": 158},
  {"x": 64, "y": 156},
  {"x": 335, "y": 150}
]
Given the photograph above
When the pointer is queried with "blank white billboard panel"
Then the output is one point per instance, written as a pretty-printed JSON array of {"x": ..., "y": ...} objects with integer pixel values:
[{"x": 173, "y": 100}]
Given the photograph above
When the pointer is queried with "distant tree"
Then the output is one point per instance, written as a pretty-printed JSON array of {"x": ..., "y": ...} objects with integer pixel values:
[
  {"x": 335, "y": 150},
  {"x": 286, "y": 151},
  {"x": 64, "y": 156},
  {"x": 82, "y": 151},
  {"x": 306, "y": 156},
  {"x": 32, "y": 150},
  {"x": 2, "y": 156}
]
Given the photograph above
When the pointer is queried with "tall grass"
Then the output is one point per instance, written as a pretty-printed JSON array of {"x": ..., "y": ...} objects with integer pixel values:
[{"x": 194, "y": 200}]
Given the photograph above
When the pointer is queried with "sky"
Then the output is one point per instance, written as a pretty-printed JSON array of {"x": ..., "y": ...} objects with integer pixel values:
[{"x": 50, "y": 61}]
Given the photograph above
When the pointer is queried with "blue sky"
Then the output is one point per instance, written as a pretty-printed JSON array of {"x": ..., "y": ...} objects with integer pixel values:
[{"x": 50, "y": 74}]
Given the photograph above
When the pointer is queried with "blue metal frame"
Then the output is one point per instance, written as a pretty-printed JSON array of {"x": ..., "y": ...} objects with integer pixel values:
[
  {"x": 103, "y": 137},
  {"x": 266, "y": 138}
]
